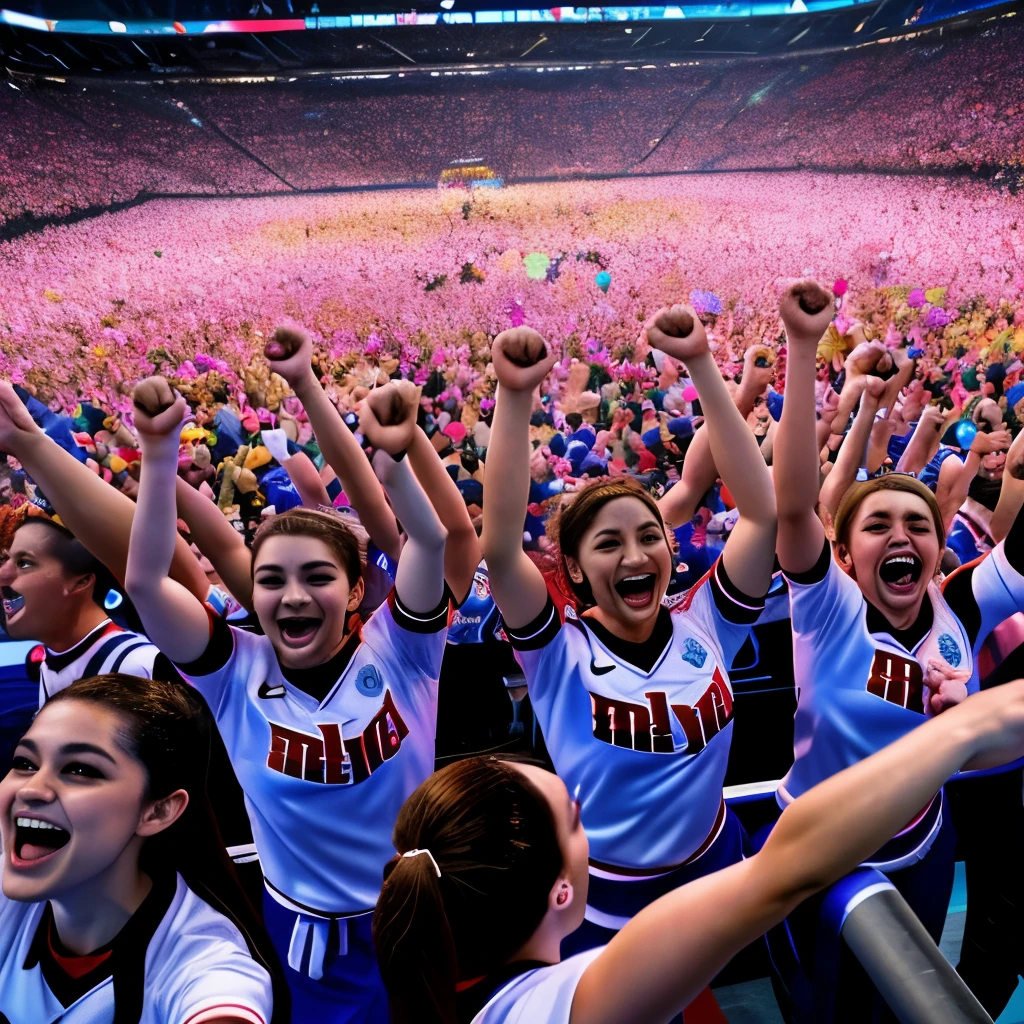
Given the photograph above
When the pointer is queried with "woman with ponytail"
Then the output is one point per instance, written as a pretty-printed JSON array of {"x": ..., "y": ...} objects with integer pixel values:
[
  {"x": 119, "y": 905},
  {"x": 491, "y": 876}
]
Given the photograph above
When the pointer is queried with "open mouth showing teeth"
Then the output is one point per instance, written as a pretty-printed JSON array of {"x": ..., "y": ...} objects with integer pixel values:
[
  {"x": 900, "y": 572},
  {"x": 35, "y": 839},
  {"x": 298, "y": 630},
  {"x": 637, "y": 591},
  {"x": 13, "y": 602}
]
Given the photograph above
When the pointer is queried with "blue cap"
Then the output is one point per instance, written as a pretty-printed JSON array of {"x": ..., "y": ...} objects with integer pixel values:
[
  {"x": 1014, "y": 395},
  {"x": 557, "y": 445},
  {"x": 651, "y": 437},
  {"x": 472, "y": 492},
  {"x": 681, "y": 427},
  {"x": 774, "y": 403}
]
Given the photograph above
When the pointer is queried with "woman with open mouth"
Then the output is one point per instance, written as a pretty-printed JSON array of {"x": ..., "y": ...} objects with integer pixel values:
[
  {"x": 118, "y": 901},
  {"x": 878, "y": 644},
  {"x": 329, "y": 722},
  {"x": 634, "y": 701},
  {"x": 491, "y": 876}
]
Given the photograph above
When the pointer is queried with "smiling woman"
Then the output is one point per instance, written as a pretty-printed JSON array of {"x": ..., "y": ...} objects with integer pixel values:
[
  {"x": 634, "y": 700},
  {"x": 115, "y": 885},
  {"x": 878, "y": 644},
  {"x": 329, "y": 721}
]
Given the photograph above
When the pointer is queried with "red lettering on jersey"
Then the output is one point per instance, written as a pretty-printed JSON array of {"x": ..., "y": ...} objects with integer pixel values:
[
  {"x": 636, "y": 727},
  {"x": 621, "y": 723},
  {"x": 296, "y": 753},
  {"x": 332, "y": 759},
  {"x": 897, "y": 678}
]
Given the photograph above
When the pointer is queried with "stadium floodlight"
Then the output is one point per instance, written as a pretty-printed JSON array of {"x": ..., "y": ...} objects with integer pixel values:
[{"x": 447, "y": 4}]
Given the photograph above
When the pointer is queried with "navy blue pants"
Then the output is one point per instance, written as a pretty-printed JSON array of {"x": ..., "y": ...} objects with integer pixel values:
[{"x": 350, "y": 991}]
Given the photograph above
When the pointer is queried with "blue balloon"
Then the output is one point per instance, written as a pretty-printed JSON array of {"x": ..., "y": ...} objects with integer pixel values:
[
  {"x": 966, "y": 431},
  {"x": 603, "y": 280}
]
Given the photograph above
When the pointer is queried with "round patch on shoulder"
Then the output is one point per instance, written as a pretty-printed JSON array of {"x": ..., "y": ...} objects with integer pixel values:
[{"x": 369, "y": 682}]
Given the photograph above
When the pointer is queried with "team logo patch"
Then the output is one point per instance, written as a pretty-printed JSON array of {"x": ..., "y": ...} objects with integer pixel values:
[
  {"x": 266, "y": 691},
  {"x": 369, "y": 682},
  {"x": 950, "y": 650},
  {"x": 693, "y": 653},
  {"x": 570, "y": 612}
]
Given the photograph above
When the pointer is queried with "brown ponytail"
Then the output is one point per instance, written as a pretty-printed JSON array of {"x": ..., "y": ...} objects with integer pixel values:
[{"x": 493, "y": 839}]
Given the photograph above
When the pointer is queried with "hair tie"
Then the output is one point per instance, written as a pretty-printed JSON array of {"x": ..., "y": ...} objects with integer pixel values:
[{"x": 416, "y": 853}]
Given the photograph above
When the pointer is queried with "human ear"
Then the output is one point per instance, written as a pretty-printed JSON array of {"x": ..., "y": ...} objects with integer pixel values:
[
  {"x": 574, "y": 570},
  {"x": 561, "y": 896},
  {"x": 355, "y": 595},
  {"x": 845, "y": 559},
  {"x": 162, "y": 814}
]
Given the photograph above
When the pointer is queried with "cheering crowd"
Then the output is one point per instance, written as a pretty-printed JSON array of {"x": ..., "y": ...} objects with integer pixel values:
[
  {"x": 949, "y": 103},
  {"x": 346, "y": 580}
]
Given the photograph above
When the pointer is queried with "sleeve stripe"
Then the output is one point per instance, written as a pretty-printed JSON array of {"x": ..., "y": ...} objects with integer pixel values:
[
  {"x": 733, "y": 594},
  {"x": 232, "y": 1011},
  {"x": 536, "y": 632},
  {"x": 541, "y": 631}
]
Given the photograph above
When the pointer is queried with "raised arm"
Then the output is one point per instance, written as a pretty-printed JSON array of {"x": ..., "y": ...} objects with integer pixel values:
[
  {"x": 924, "y": 442},
  {"x": 299, "y": 467},
  {"x": 223, "y": 545},
  {"x": 99, "y": 515},
  {"x": 388, "y": 419},
  {"x": 290, "y": 353},
  {"x": 750, "y": 554},
  {"x": 175, "y": 620},
  {"x": 955, "y": 483},
  {"x": 698, "y": 477},
  {"x": 521, "y": 361},
  {"x": 807, "y": 310},
  {"x": 853, "y": 450},
  {"x": 1011, "y": 493},
  {"x": 675, "y": 946},
  {"x": 462, "y": 549},
  {"x": 699, "y": 470}
]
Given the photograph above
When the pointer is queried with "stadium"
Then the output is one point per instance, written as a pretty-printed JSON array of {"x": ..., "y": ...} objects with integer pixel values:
[{"x": 178, "y": 178}]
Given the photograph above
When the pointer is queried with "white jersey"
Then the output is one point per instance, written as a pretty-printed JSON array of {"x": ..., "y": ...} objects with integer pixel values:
[
  {"x": 644, "y": 751},
  {"x": 107, "y": 648},
  {"x": 184, "y": 962},
  {"x": 859, "y": 685},
  {"x": 543, "y": 994},
  {"x": 324, "y": 781}
]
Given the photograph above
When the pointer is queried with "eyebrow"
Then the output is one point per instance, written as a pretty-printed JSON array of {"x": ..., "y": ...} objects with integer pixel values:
[
  {"x": 615, "y": 531},
  {"x": 72, "y": 748},
  {"x": 306, "y": 566}
]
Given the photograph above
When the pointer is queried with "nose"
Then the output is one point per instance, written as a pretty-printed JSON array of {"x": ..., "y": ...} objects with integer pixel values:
[
  {"x": 633, "y": 554},
  {"x": 7, "y": 572},
  {"x": 294, "y": 595},
  {"x": 37, "y": 788}
]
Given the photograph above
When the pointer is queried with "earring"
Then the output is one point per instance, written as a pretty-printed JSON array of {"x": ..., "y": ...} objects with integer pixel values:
[{"x": 562, "y": 897}]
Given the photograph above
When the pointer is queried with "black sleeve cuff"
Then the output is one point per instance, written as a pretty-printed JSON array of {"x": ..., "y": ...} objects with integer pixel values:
[
  {"x": 817, "y": 572},
  {"x": 421, "y": 622},
  {"x": 217, "y": 654},
  {"x": 538, "y": 633},
  {"x": 733, "y": 605},
  {"x": 1013, "y": 545}
]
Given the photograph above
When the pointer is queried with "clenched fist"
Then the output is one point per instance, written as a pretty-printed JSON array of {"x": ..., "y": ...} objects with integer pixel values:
[
  {"x": 159, "y": 410},
  {"x": 290, "y": 354},
  {"x": 807, "y": 309},
  {"x": 521, "y": 358},
  {"x": 387, "y": 416},
  {"x": 678, "y": 333}
]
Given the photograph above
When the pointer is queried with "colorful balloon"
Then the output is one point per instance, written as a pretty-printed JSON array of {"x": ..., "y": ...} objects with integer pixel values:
[
  {"x": 965, "y": 433},
  {"x": 603, "y": 280}
]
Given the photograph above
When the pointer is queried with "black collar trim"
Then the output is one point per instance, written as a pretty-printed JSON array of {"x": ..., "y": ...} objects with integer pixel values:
[
  {"x": 126, "y": 963},
  {"x": 58, "y": 661}
]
